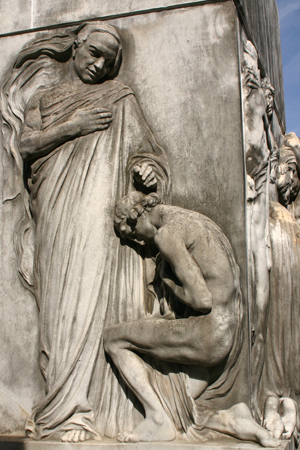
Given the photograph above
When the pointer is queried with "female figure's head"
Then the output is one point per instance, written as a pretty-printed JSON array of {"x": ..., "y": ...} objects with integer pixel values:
[
  {"x": 96, "y": 53},
  {"x": 94, "y": 50},
  {"x": 269, "y": 93}
]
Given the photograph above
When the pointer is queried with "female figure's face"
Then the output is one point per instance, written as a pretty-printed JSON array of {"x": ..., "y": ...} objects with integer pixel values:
[
  {"x": 269, "y": 96},
  {"x": 95, "y": 57}
]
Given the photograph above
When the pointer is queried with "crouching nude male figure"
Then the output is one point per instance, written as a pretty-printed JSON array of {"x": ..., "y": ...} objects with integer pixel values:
[{"x": 205, "y": 280}]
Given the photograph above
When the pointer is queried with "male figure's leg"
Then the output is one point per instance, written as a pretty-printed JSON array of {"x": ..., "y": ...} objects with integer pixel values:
[{"x": 166, "y": 340}]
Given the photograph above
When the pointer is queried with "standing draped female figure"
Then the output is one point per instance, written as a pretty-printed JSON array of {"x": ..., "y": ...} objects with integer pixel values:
[{"x": 84, "y": 143}]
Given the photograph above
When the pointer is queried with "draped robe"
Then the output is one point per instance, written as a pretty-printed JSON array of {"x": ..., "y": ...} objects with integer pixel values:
[
  {"x": 280, "y": 376},
  {"x": 85, "y": 278}
]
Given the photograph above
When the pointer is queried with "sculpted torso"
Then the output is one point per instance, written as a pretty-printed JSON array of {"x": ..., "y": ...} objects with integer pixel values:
[{"x": 194, "y": 240}]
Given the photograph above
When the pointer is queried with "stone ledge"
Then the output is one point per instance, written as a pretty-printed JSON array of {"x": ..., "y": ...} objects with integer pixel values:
[
  {"x": 17, "y": 443},
  {"x": 55, "y": 12}
]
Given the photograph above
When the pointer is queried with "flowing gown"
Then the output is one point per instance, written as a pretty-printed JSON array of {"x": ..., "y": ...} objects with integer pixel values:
[
  {"x": 280, "y": 376},
  {"x": 85, "y": 278}
]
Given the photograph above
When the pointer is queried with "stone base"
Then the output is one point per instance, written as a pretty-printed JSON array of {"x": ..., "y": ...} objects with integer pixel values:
[{"x": 19, "y": 443}]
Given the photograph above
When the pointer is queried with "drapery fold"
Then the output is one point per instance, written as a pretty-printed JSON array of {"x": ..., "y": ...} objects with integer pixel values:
[{"x": 84, "y": 278}]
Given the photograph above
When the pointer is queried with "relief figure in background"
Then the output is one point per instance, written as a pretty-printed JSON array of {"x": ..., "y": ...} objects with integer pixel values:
[
  {"x": 279, "y": 398},
  {"x": 288, "y": 182},
  {"x": 257, "y": 153},
  {"x": 269, "y": 93},
  {"x": 84, "y": 142},
  {"x": 275, "y": 286},
  {"x": 199, "y": 268}
]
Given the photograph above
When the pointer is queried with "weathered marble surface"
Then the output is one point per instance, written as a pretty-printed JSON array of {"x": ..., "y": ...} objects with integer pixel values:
[
  {"x": 38, "y": 14},
  {"x": 18, "y": 17},
  {"x": 184, "y": 66},
  {"x": 190, "y": 127}
]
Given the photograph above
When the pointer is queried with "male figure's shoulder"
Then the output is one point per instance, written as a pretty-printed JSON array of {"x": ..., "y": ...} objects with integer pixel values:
[{"x": 166, "y": 235}]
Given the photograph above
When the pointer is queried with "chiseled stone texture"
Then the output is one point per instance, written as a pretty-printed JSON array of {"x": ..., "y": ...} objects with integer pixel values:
[{"x": 15, "y": 15}]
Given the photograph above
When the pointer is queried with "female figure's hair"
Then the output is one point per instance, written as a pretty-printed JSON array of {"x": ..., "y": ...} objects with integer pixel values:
[{"x": 130, "y": 207}]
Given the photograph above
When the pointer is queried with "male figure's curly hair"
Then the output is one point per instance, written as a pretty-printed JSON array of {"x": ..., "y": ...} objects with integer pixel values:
[{"x": 130, "y": 207}]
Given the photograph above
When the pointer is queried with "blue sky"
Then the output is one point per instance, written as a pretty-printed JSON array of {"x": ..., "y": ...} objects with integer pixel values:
[{"x": 289, "y": 13}]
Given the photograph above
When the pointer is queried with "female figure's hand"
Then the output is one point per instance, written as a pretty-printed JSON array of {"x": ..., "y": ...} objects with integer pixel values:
[
  {"x": 36, "y": 142},
  {"x": 145, "y": 175},
  {"x": 88, "y": 120}
]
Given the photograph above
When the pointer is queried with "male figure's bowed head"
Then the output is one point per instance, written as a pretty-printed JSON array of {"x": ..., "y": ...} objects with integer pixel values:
[{"x": 132, "y": 219}]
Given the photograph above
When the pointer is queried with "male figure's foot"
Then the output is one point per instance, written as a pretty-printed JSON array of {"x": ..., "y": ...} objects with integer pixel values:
[
  {"x": 272, "y": 420},
  {"x": 159, "y": 427},
  {"x": 238, "y": 422},
  {"x": 248, "y": 429},
  {"x": 75, "y": 436},
  {"x": 289, "y": 417}
]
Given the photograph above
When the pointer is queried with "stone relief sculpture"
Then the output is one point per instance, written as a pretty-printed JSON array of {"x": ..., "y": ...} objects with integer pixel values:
[
  {"x": 76, "y": 142},
  {"x": 275, "y": 349},
  {"x": 198, "y": 268},
  {"x": 269, "y": 93},
  {"x": 279, "y": 384},
  {"x": 257, "y": 156},
  {"x": 288, "y": 168},
  {"x": 292, "y": 140},
  {"x": 84, "y": 142}
]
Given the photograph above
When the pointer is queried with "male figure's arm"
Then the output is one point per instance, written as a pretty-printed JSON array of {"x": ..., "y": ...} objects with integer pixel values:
[{"x": 194, "y": 291}]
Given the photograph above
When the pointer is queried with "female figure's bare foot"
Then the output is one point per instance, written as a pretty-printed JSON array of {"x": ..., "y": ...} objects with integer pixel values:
[
  {"x": 289, "y": 417},
  {"x": 75, "y": 436},
  {"x": 238, "y": 422},
  {"x": 156, "y": 428},
  {"x": 272, "y": 420}
]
